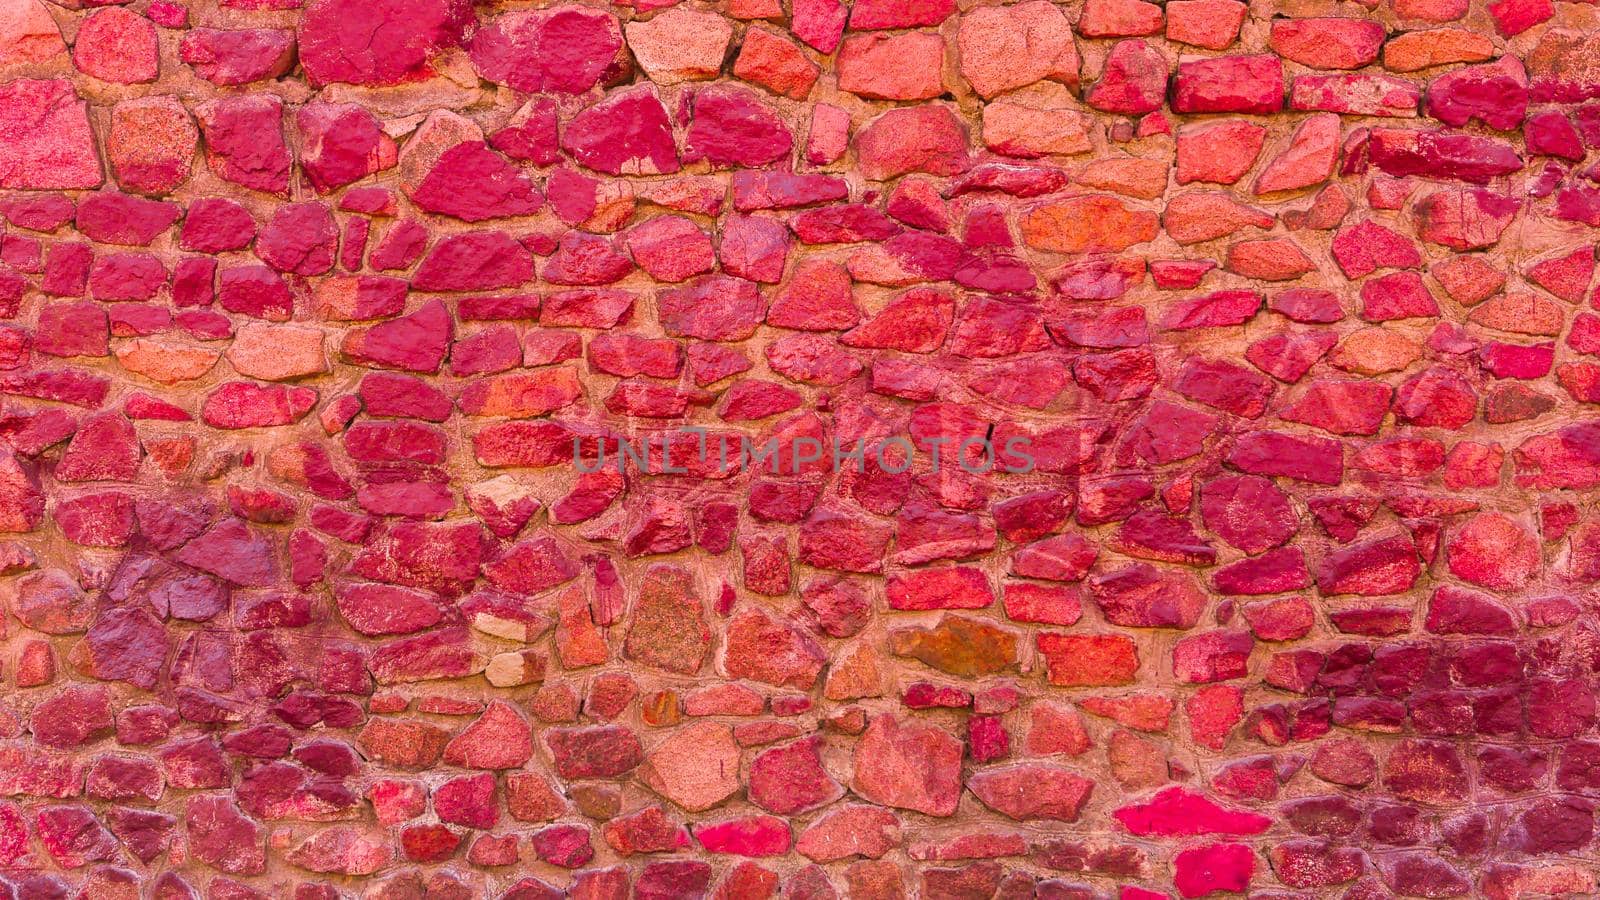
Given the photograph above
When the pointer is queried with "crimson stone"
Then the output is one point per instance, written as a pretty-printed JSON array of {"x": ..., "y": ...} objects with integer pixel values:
[
  {"x": 387, "y": 42},
  {"x": 116, "y": 218},
  {"x": 238, "y": 57},
  {"x": 567, "y": 49},
  {"x": 474, "y": 261},
  {"x": 730, "y": 126},
  {"x": 1244, "y": 84},
  {"x": 603, "y": 752},
  {"x": 244, "y": 141},
  {"x": 1177, "y": 811},
  {"x": 628, "y": 132}
]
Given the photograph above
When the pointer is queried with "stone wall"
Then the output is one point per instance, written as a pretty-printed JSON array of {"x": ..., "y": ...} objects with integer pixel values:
[{"x": 1150, "y": 449}]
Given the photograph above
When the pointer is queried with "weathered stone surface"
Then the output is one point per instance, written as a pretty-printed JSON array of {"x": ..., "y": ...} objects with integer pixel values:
[
  {"x": 117, "y": 45},
  {"x": 244, "y": 141},
  {"x": 925, "y": 138},
  {"x": 343, "y": 143},
  {"x": 680, "y": 45},
  {"x": 382, "y": 43},
  {"x": 47, "y": 144},
  {"x": 151, "y": 145},
  {"x": 791, "y": 779},
  {"x": 668, "y": 628},
  {"x": 697, "y": 768},
  {"x": 31, "y": 35},
  {"x": 626, "y": 133},
  {"x": 1032, "y": 791},
  {"x": 1005, "y": 47},
  {"x": 1093, "y": 224},
  {"x": 567, "y": 49},
  {"x": 500, "y": 739},
  {"x": 1041, "y": 120},
  {"x": 238, "y": 57},
  {"x": 908, "y": 766},
  {"x": 871, "y": 449},
  {"x": 1134, "y": 81}
]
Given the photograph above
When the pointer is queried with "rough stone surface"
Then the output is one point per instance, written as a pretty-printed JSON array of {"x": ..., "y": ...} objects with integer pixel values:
[{"x": 892, "y": 448}]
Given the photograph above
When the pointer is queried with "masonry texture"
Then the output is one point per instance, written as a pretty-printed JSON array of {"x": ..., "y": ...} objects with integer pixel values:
[{"x": 319, "y": 315}]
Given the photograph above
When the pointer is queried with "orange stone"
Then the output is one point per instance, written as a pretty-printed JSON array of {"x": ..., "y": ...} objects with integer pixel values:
[
  {"x": 1098, "y": 223},
  {"x": 1088, "y": 660},
  {"x": 1417, "y": 50},
  {"x": 168, "y": 362}
]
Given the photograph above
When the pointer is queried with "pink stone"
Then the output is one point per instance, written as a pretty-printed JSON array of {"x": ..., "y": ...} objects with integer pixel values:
[
  {"x": 30, "y": 35},
  {"x": 1372, "y": 568},
  {"x": 671, "y": 248},
  {"x": 730, "y": 126},
  {"x": 850, "y": 830},
  {"x": 1199, "y": 871},
  {"x": 819, "y": 23},
  {"x": 117, "y": 45},
  {"x": 1308, "y": 160},
  {"x": 712, "y": 308},
  {"x": 1494, "y": 551},
  {"x": 386, "y": 42},
  {"x": 1440, "y": 154},
  {"x": 1512, "y": 17},
  {"x": 696, "y": 767},
  {"x": 1134, "y": 81},
  {"x": 1212, "y": 24},
  {"x": 1033, "y": 791},
  {"x": 472, "y": 183},
  {"x": 897, "y": 67},
  {"x": 765, "y": 650},
  {"x": 1243, "y": 84},
  {"x": 1143, "y": 596},
  {"x": 1119, "y": 18},
  {"x": 1212, "y": 656},
  {"x": 300, "y": 239},
  {"x": 499, "y": 739},
  {"x": 1313, "y": 459},
  {"x": 753, "y": 836},
  {"x": 567, "y": 49},
  {"x": 343, "y": 850},
  {"x": 909, "y": 767},
  {"x": 105, "y": 448},
  {"x": 1356, "y": 94},
  {"x": 1013, "y": 46},
  {"x": 244, "y": 141},
  {"x": 1341, "y": 407},
  {"x": 220, "y": 835},
  {"x": 925, "y": 138},
  {"x": 1328, "y": 43},
  {"x": 474, "y": 261},
  {"x": 1494, "y": 93},
  {"x": 531, "y": 134},
  {"x": 468, "y": 800},
  {"x": 45, "y": 140},
  {"x": 627, "y": 132},
  {"x": 151, "y": 145},
  {"x": 343, "y": 144},
  {"x": 238, "y": 57},
  {"x": 791, "y": 779},
  {"x": 243, "y": 404},
  {"x": 876, "y": 14},
  {"x": 1220, "y": 153},
  {"x": 778, "y": 65},
  {"x": 680, "y": 45},
  {"x": 1177, "y": 811}
]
